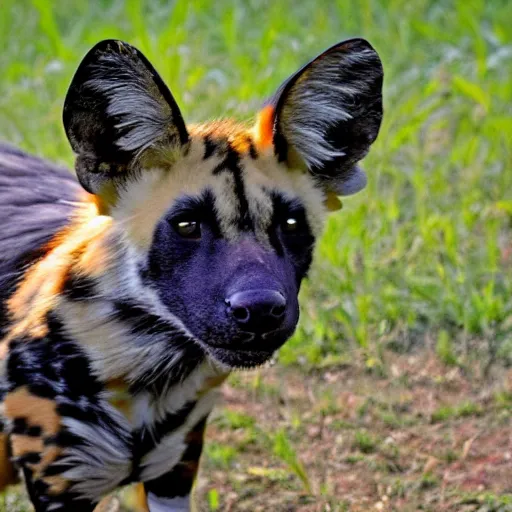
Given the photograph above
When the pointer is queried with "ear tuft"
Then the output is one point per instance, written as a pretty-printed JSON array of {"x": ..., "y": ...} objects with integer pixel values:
[
  {"x": 117, "y": 107},
  {"x": 329, "y": 113}
]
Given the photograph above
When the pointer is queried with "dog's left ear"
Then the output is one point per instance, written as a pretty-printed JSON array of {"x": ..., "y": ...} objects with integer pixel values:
[
  {"x": 325, "y": 117},
  {"x": 117, "y": 111}
]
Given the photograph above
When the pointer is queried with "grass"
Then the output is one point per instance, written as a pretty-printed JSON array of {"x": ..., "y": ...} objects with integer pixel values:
[
  {"x": 425, "y": 248},
  {"x": 422, "y": 257}
]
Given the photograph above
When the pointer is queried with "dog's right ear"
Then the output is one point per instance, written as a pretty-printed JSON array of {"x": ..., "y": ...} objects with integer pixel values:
[
  {"x": 116, "y": 110},
  {"x": 325, "y": 117}
]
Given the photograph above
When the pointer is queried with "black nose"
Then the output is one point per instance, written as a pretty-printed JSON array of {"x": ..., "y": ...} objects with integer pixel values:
[{"x": 257, "y": 311}]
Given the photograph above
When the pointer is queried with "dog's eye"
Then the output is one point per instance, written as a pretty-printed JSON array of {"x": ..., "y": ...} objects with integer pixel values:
[
  {"x": 188, "y": 228},
  {"x": 291, "y": 225}
]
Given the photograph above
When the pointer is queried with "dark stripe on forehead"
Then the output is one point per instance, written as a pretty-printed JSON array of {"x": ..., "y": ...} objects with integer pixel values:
[
  {"x": 231, "y": 163},
  {"x": 253, "y": 152},
  {"x": 209, "y": 147}
]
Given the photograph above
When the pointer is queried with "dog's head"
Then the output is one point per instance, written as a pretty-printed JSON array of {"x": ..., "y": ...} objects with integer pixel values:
[{"x": 224, "y": 217}]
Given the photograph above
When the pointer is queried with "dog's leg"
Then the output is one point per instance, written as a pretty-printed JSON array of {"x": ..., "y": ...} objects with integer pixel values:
[
  {"x": 172, "y": 492},
  {"x": 8, "y": 474}
]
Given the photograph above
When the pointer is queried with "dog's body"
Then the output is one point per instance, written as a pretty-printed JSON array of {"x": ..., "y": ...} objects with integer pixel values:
[{"x": 124, "y": 308}]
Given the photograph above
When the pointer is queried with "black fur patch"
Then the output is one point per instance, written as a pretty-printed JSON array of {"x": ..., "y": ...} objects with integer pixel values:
[
  {"x": 298, "y": 245},
  {"x": 146, "y": 440},
  {"x": 231, "y": 163},
  {"x": 79, "y": 287}
]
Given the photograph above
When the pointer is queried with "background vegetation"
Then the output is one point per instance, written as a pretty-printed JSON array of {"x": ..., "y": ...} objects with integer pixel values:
[{"x": 422, "y": 258}]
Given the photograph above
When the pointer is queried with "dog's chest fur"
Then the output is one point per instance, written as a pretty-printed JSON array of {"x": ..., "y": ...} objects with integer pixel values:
[{"x": 156, "y": 429}]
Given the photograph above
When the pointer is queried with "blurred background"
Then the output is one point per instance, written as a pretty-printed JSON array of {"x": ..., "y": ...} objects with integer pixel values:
[{"x": 396, "y": 391}]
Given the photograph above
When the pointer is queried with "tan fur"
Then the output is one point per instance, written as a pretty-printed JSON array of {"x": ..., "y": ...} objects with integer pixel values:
[
  {"x": 95, "y": 258},
  {"x": 37, "y": 411},
  {"x": 56, "y": 484},
  {"x": 48, "y": 455},
  {"x": 135, "y": 500},
  {"x": 140, "y": 499},
  {"x": 22, "y": 445}
]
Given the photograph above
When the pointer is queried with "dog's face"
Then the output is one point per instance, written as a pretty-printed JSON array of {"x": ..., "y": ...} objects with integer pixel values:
[{"x": 224, "y": 217}]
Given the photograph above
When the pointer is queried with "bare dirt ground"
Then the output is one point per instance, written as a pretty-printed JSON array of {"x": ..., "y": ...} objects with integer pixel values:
[{"x": 424, "y": 437}]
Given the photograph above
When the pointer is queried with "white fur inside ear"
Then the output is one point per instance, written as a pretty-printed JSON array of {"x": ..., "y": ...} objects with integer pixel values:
[
  {"x": 350, "y": 185},
  {"x": 331, "y": 93}
]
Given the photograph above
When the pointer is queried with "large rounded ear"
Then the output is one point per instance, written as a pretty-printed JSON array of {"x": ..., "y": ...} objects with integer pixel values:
[
  {"x": 117, "y": 108},
  {"x": 326, "y": 116}
]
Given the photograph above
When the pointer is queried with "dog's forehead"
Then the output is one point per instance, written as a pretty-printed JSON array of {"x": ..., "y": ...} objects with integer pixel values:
[{"x": 221, "y": 158}]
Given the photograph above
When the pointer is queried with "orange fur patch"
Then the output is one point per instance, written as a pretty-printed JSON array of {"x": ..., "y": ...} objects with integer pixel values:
[
  {"x": 236, "y": 135},
  {"x": 221, "y": 129},
  {"x": 43, "y": 282},
  {"x": 264, "y": 129},
  {"x": 141, "y": 499}
]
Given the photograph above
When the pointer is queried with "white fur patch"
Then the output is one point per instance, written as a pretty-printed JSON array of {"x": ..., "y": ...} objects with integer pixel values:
[
  {"x": 113, "y": 349},
  {"x": 143, "y": 117},
  {"x": 103, "y": 461}
]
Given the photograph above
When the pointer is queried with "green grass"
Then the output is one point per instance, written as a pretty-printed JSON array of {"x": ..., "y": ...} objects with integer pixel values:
[
  {"x": 422, "y": 249},
  {"x": 460, "y": 411},
  {"x": 364, "y": 442}
]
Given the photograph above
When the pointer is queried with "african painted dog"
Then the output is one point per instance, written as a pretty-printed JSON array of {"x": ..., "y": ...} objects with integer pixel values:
[{"x": 125, "y": 305}]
